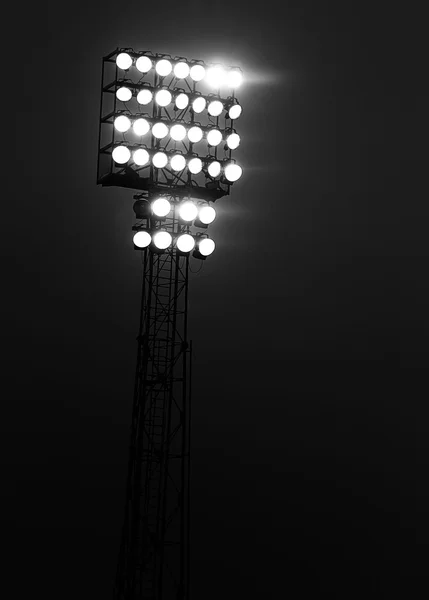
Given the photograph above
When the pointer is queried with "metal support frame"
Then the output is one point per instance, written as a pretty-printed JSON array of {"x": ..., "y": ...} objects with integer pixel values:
[{"x": 154, "y": 554}]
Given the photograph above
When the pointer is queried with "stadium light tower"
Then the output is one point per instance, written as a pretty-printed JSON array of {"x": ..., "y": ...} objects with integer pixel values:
[{"x": 167, "y": 131}]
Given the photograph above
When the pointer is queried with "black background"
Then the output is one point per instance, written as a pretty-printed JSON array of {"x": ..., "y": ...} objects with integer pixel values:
[{"x": 309, "y": 322}]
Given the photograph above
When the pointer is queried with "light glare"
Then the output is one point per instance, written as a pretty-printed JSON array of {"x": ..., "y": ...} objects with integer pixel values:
[
  {"x": 199, "y": 104},
  {"x": 185, "y": 242},
  {"x": 162, "y": 239},
  {"x": 178, "y": 132},
  {"x": 163, "y": 97},
  {"x": 197, "y": 72},
  {"x": 144, "y": 96},
  {"x": 215, "y": 77},
  {"x": 215, "y": 108},
  {"x": 141, "y": 126},
  {"x": 206, "y": 246},
  {"x": 141, "y": 157},
  {"x": 207, "y": 215},
  {"x": 161, "y": 207},
  {"x": 143, "y": 64},
  {"x": 234, "y": 78},
  {"x": 160, "y": 130},
  {"x": 214, "y": 137},
  {"x": 124, "y": 61},
  {"x": 195, "y": 134},
  {"x": 124, "y": 94},
  {"x": 163, "y": 67},
  {"x": 142, "y": 239},
  {"x": 160, "y": 160},
  {"x": 181, "y": 70},
  {"x": 178, "y": 162},
  {"x": 121, "y": 155},
  {"x": 188, "y": 211},
  {"x": 122, "y": 123},
  {"x": 195, "y": 165}
]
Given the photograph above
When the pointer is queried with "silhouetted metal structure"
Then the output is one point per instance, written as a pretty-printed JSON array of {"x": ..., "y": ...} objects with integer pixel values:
[{"x": 154, "y": 558}]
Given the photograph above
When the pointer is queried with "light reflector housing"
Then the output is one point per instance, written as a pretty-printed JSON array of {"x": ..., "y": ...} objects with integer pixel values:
[{"x": 142, "y": 239}]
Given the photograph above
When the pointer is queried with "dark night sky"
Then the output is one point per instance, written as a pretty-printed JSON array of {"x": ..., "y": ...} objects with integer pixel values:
[{"x": 309, "y": 323}]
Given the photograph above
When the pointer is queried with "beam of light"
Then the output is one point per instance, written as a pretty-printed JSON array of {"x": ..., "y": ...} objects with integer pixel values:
[{"x": 142, "y": 239}]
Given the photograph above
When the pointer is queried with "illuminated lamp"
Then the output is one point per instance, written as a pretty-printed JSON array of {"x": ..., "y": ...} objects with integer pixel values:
[
  {"x": 195, "y": 134},
  {"x": 233, "y": 172},
  {"x": 233, "y": 141},
  {"x": 234, "y": 111},
  {"x": 142, "y": 239},
  {"x": 181, "y": 70},
  {"x": 215, "y": 108},
  {"x": 197, "y": 72},
  {"x": 163, "y": 97},
  {"x": 143, "y": 64},
  {"x": 160, "y": 160},
  {"x": 161, "y": 207},
  {"x": 188, "y": 211},
  {"x": 124, "y": 94},
  {"x": 141, "y": 157},
  {"x": 199, "y": 104},
  {"x": 182, "y": 101},
  {"x": 121, "y": 155},
  {"x": 141, "y": 127},
  {"x": 160, "y": 130},
  {"x": 122, "y": 123},
  {"x": 214, "y": 137},
  {"x": 215, "y": 76},
  {"x": 178, "y": 132},
  {"x": 163, "y": 67},
  {"x": 124, "y": 61},
  {"x": 214, "y": 168},
  {"x": 162, "y": 239},
  {"x": 144, "y": 96},
  {"x": 195, "y": 165},
  {"x": 178, "y": 162},
  {"x": 234, "y": 78},
  {"x": 185, "y": 243}
]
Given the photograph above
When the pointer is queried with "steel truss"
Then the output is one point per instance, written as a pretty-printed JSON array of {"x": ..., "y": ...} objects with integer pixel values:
[{"x": 154, "y": 554}]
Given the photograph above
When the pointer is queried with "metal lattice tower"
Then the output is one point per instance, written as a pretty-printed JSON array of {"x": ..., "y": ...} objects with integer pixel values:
[{"x": 154, "y": 557}]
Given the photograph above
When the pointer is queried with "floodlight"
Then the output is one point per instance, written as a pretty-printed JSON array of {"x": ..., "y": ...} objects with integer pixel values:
[
  {"x": 162, "y": 239},
  {"x": 235, "y": 111},
  {"x": 195, "y": 165},
  {"x": 214, "y": 168},
  {"x": 188, "y": 211},
  {"x": 124, "y": 94},
  {"x": 233, "y": 141},
  {"x": 207, "y": 215},
  {"x": 214, "y": 137},
  {"x": 234, "y": 78},
  {"x": 215, "y": 77},
  {"x": 160, "y": 160},
  {"x": 182, "y": 101},
  {"x": 181, "y": 70},
  {"x": 178, "y": 132},
  {"x": 178, "y": 162},
  {"x": 142, "y": 239},
  {"x": 122, "y": 123},
  {"x": 124, "y": 61},
  {"x": 160, "y": 130},
  {"x": 206, "y": 246},
  {"x": 163, "y": 97},
  {"x": 161, "y": 207},
  {"x": 199, "y": 104},
  {"x": 215, "y": 108},
  {"x": 195, "y": 134},
  {"x": 141, "y": 126},
  {"x": 141, "y": 157},
  {"x": 185, "y": 242},
  {"x": 163, "y": 67},
  {"x": 233, "y": 172},
  {"x": 143, "y": 64},
  {"x": 121, "y": 155},
  {"x": 197, "y": 72},
  {"x": 144, "y": 96}
]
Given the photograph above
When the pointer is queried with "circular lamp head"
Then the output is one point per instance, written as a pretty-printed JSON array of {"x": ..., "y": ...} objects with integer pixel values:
[
  {"x": 163, "y": 97},
  {"x": 122, "y": 123},
  {"x": 178, "y": 132},
  {"x": 141, "y": 127},
  {"x": 181, "y": 70},
  {"x": 160, "y": 130},
  {"x": 124, "y": 61},
  {"x": 214, "y": 168},
  {"x": 142, "y": 239},
  {"x": 143, "y": 64},
  {"x": 160, "y": 160},
  {"x": 185, "y": 242},
  {"x": 207, "y": 214},
  {"x": 235, "y": 111},
  {"x": 199, "y": 104},
  {"x": 206, "y": 246},
  {"x": 188, "y": 211},
  {"x": 121, "y": 155},
  {"x": 163, "y": 67},
  {"x": 197, "y": 72},
  {"x": 195, "y": 165},
  {"x": 233, "y": 172},
  {"x": 141, "y": 157},
  {"x": 195, "y": 134},
  {"x": 233, "y": 141},
  {"x": 144, "y": 96},
  {"x": 161, "y": 207},
  {"x": 215, "y": 108},
  {"x": 124, "y": 94},
  {"x": 162, "y": 239},
  {"x": 182, "y": 101},
  {"x": 214, "y": 137},
  {"x": 234, "y": 78},
  {"x": 215, "y": 77},
  {"x": 178, "y": 162}
]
